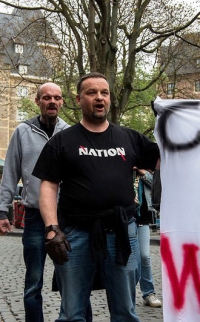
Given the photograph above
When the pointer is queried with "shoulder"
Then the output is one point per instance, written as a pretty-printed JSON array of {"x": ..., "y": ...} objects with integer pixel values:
[
  {"x": 122, "y": 128},
  {"x": 70, "y": 129},
  {"x": 125, "y": 130},
  {"x": 32, "y": 121},
  {"x": 61, "y": 134},
  {"x": 27, "y": 124},
  {"x": 62, "y": 124}
]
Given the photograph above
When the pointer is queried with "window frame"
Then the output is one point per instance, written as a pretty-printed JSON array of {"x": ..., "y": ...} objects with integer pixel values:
[
  {"x": 19, "y": 48},
  {"x": 198, "y": 62},
  {"x": 23, "y": 90},
  {"x": 21, "y": 115},
  {"x": 197, "y": 87},
  {"x": 23, "y": 69},
  {"x": 170, "y": 88}
]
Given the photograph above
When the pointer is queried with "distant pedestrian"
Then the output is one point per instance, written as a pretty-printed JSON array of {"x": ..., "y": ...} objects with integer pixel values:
[{"x": 145, "y": 217}]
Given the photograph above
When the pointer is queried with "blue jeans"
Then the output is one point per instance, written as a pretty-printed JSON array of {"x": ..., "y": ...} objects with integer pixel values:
[
  {"x": 75, "y": 277},
  {"x": 146, "y": 279},
  {"x": 34, "y": 258}
]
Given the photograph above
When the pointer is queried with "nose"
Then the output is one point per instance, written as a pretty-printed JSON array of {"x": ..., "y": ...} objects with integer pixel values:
[
  {"x": 99, "y": 96},
  {"x": 52, "y": 99}
]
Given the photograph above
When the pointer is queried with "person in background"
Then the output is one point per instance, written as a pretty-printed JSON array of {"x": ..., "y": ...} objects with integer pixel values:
[
  {"x": 25, "y": 146},
  {"x": 92, "y": 164},
  {"x": 145, "y": 216}
]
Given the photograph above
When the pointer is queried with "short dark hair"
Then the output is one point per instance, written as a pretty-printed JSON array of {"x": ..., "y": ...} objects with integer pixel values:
[{"x": 86, "y": 76}]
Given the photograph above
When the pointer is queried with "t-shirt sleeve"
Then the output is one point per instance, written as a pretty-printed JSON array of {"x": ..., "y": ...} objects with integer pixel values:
[
  {"x": 149, "y": 153},
  {"x": 48, "y": 165}
]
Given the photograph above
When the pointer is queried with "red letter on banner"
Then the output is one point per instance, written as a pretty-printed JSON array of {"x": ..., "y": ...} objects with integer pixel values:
[{"x": 190, "y": 267}]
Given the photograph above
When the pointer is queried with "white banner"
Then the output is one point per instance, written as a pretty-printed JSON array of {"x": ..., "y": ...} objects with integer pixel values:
[{"x": 177, "y": 131}]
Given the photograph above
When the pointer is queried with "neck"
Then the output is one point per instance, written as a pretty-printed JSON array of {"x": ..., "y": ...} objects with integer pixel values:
[
  {"x": 100, "y": 127},
  {"x": 48, "y": 120}
]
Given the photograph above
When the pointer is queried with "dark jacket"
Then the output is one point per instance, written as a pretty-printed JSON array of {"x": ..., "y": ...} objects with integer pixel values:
[{"x": 145, "y": 213}]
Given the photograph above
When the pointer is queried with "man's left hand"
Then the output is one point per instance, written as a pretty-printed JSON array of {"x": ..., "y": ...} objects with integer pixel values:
[{"x": 57, "y": 247}]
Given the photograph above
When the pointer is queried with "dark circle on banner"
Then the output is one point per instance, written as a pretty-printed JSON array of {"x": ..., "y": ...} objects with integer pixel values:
[{"x": 162, "y": 128}]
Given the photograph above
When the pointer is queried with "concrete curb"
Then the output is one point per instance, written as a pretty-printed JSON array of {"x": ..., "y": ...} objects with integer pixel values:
[
  {"x": 155, "y": 241},
  {"x": 15, "y": 232}
]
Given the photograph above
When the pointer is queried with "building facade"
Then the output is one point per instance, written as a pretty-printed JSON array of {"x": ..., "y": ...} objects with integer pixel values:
[
  {"x": 182, "y": 61},
  {"x": 29, "y": 56}
]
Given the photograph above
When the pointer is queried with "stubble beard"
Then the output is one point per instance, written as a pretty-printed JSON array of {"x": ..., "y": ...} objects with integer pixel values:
[
  {"x": 49, "y": 119},
  {"x": 100, "y": 117}
]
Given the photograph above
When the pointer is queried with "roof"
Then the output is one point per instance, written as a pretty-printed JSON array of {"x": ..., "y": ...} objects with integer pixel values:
[
  {"x": 183, "y": 57},
  {"x": 28, "y": 28}
]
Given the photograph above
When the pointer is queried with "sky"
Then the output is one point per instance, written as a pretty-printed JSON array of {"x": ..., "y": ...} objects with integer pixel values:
[
  {"x": 194, "y": 3},
  {"x": 3, "y": 9}
]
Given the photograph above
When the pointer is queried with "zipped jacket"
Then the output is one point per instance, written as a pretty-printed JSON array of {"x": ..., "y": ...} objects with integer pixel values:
[
  {"x": 145, "y": 211},
  {"x": 24, "y": 149}
]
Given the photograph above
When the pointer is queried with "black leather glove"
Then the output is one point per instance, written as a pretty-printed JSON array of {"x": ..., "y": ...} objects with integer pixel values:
[{"x": 57, "y": 246}]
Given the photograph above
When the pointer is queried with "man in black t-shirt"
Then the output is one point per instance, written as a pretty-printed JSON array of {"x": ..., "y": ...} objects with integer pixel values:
[{"x": 92, "y": 163}]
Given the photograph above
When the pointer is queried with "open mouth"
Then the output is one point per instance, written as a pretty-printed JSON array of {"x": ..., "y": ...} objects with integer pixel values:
[
  {"x": 52, "y": 108},
  {"x": 99, "y": 106}
]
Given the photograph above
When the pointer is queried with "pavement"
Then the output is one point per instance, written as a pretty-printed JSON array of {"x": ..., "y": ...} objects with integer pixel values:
[{"x": 12, "y": 283}]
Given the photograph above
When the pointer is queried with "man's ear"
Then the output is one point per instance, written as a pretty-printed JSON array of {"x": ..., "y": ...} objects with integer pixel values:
[
  {"x": 78, "y": 98},
  {"x": 37, "y": 101}
]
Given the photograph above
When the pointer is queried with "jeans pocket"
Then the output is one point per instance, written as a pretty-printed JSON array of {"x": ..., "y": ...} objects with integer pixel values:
[
  {"x": 33, "y": 219},
  {"x": 30, "y": 215},
  {"x": 132, "y": 230},
  {"x": 69, "y": 230}
]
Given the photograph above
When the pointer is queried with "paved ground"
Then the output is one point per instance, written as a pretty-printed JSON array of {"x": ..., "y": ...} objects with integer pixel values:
[{"x": 12, "y": 283}]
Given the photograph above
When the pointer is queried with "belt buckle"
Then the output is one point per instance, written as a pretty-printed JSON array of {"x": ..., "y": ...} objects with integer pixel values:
[{"x": 109, "y": 230}]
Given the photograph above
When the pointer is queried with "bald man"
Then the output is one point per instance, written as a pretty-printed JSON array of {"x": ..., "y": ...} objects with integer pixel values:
[{"x": 24, "y": 149}]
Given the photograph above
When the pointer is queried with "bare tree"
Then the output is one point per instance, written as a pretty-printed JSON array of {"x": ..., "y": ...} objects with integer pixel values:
[{"x": 114, "y": 37}]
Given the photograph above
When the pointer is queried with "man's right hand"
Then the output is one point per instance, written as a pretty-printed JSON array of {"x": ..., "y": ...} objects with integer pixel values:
[{"x": 5, "y": 226}]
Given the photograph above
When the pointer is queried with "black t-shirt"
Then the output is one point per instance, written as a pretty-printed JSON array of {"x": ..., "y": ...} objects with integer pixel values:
[
  {"x": 47, "y": 128},
  {"x": 95, "y": 170}
]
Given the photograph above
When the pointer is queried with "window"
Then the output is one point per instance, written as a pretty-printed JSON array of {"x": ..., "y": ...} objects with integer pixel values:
[
  {"x": 21, "y": 116},
  {"x": 170, "y": 88},
  {"x": 22, "y": 91},
  {"x": 23, "y": 69},
  {"x": 197, "y": 86},
  {"x": 198, "y": 62},
  {"x": 19, "y": 48}
]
